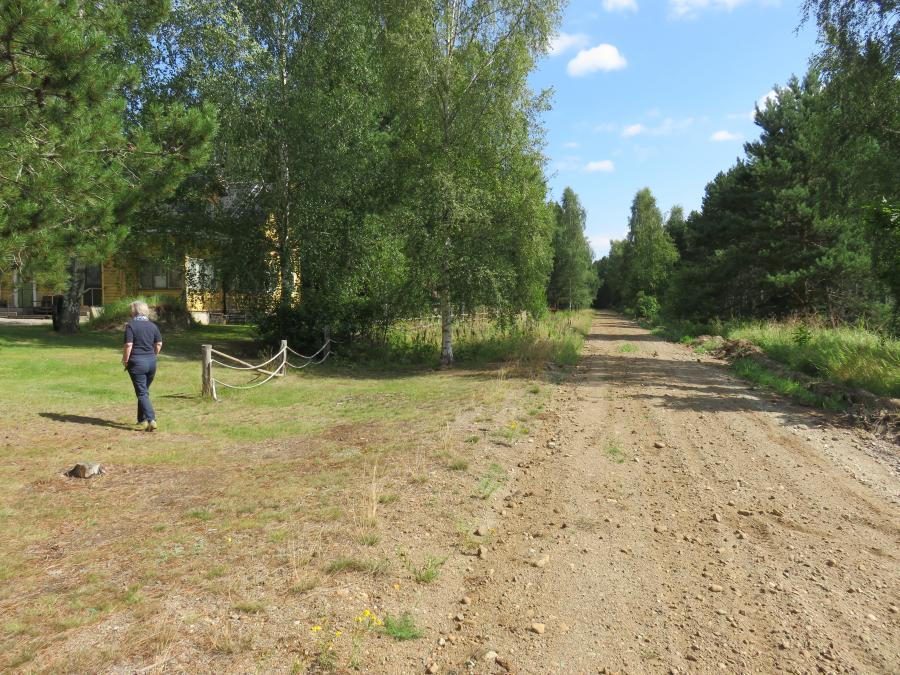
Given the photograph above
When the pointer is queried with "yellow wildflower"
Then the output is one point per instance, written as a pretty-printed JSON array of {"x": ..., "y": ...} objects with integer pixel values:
[{"x": 316, "y": 629}]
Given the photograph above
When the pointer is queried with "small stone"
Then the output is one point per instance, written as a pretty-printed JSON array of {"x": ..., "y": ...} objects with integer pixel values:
[
  {"x": 717, "y": 517},
  {"x": 481, "y": 531},
  {"x": 660, "y": 529},
  {"x": 871, "y": 617},
  {"x": 659, "y": 444},
  {"x": 482, "y": 552},
  {"x": 466, "y": 600},
  {"x": 490, "y": 656},
  {"x": 831, "y": 562},
  {"x": 441, "y": 642},
  {"x": 460, "y": 617},
  {"x": 785, "y": 644},
  {"x": 432, "y": 668},
  {"x": 503, "y": 663},
  {"x": 538, "y": 628},
  {"x": 86, "y": 470},
  {"x": 715, "y": 588},
  {"x": 894, "y": 609},
  {"x": 744, "y": 512},
  {"x": 541, "y": 562}
]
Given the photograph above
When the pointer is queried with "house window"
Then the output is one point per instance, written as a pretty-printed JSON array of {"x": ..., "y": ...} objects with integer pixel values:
[{"x": 161, "y": 276}]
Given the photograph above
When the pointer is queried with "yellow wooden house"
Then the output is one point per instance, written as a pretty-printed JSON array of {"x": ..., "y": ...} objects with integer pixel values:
[{"x": 117, "y": 279}]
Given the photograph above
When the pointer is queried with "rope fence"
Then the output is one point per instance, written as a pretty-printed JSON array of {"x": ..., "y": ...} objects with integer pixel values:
[{"x": 275, "y": 366}]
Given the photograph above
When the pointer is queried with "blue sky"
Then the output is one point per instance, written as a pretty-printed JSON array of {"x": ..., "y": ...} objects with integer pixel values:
[{"x": 660, "y": 94}]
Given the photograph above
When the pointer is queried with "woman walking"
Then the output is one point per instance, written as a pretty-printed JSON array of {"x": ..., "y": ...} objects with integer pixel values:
[{"x": 143, "y": 343}]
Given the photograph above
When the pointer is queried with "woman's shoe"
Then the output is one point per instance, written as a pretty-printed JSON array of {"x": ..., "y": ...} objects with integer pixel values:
[
  {"x": 151, "y": 425},
  {"x": 142, "y": 426}
]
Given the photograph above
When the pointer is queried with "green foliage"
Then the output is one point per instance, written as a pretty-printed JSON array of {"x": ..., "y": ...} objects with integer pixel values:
[
  {"x": 78, "y": 156},
  {"x": 850, "y": 355},
  {"x": 468, "y": 152},
  {"x": 164, "y": 309},
  {"x": 401, "y": 627},
  {"x": 751, "y": 370},
  {"x": 573, "y": 281}
]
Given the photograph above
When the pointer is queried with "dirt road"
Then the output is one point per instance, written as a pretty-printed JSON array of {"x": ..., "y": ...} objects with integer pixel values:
[{"x": 670, "y": 518}]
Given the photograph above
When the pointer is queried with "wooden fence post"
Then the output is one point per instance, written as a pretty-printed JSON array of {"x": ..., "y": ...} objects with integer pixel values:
[
  {"x": 282, "y": 370},
  {"x": 207, "y": 389}
]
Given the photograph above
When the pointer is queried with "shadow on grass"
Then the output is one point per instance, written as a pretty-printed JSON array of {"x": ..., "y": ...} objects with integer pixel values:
[{"x": 81, "y": 419}]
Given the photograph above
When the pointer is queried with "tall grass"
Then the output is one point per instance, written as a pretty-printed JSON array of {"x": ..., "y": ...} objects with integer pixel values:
[
  {"x": 556, "y": 337},
  {"x": 850, "y": 355},
  {"x": 853, "y": 356}
]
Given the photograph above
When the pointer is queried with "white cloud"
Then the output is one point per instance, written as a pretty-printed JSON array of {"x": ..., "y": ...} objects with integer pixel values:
[
  {"x": 604, "y": 165},
  {"x": 563, "y": 42},
  {"x": 620, "y": 5},
  {"x": 724, "y": 135},
  {"x": 667, "y": 127},
  {"x": 771, "y": 96},
  {"x": 689, "y": 8},
  {"x": 602, "y": 57},
  {"x": 605, "y": 127},
  {"x": 569, "y": 163},
  {"x": 572, "y": 144}
]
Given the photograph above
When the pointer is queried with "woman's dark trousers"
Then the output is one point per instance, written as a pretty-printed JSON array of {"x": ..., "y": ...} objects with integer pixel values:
[{"x": 142, "y": 371}]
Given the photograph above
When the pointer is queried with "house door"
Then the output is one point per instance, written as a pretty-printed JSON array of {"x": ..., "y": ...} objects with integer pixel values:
[
  {"x": 24, "y": 293},
  {"x": 93, "y": 286}
]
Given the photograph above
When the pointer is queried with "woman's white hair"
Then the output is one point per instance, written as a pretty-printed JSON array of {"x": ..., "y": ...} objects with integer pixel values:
[{"x": 140, "y": 308}]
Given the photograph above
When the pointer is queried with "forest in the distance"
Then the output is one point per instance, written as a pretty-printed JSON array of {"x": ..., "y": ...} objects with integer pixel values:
[{"x": 808, "y": 223}]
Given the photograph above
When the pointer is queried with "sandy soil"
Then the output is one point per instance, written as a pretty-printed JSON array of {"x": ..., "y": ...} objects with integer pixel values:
[{"x": 670, "y": 518}]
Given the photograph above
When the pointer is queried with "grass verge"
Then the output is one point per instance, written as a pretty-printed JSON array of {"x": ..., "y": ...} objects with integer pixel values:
[
  {"x": 749, "y": 369},
  {"x": 852, "y": 356}
]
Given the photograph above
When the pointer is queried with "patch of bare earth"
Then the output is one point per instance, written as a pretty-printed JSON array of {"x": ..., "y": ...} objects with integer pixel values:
[{"x": 671, "y": 518}]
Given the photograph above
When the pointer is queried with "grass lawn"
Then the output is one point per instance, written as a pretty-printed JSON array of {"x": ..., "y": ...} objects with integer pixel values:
[{"x": 217, "y": 542}]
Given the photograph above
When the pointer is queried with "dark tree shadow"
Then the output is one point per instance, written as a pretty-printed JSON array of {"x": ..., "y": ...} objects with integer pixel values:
[{"x": 81, "y": 419}]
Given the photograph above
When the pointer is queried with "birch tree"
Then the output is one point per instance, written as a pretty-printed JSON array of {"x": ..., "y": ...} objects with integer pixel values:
[{"x": 468, "y": 140}]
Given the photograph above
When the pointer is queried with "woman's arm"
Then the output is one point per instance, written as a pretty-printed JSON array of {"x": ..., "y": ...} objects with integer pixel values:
[
  {"x": 126, "y": 354},
  {"x": 157, "y": 346}
]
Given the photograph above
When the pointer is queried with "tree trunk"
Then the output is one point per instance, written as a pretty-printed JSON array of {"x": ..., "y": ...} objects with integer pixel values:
[
  {"x": 446, "y": 316},
  {"x": 446, "y": 329},
  {"x": 72, "y": 299}
]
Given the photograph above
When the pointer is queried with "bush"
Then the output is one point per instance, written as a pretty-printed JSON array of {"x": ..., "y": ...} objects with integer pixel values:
[
  {"x": 165, "y": 310},
  {"x": 648, "y": 307}
]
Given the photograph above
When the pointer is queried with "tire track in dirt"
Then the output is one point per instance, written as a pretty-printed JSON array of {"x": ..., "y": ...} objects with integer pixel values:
[{"x": 673, "y": 519}]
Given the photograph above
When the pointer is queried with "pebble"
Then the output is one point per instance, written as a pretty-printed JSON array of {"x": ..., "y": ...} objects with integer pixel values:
[
  {"x": 831, "y": 563},
  {"x": 490, "y": 656},
  {"x": 466, "y": 600},
  {"x": 716, "y": 517},
  {"x": 715, "y": 588},
  {"x": 432, "y": 668},
  {"x": 482, "y": 552},
  {"x": 659, "y": 444},
  {"x": 660, "y": 529},
  {"x": 541, "y": 562},
  {"x": 538, "y": 628},
  {"x": 744, "y": 512},
  {"x": 894, "y": 609},
  {"x": 871, "y": 617},
  {"x": 481, "y": 531}
]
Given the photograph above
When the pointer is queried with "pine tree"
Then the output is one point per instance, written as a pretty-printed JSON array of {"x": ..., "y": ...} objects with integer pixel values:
[{"x": 74, "y": 162}]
